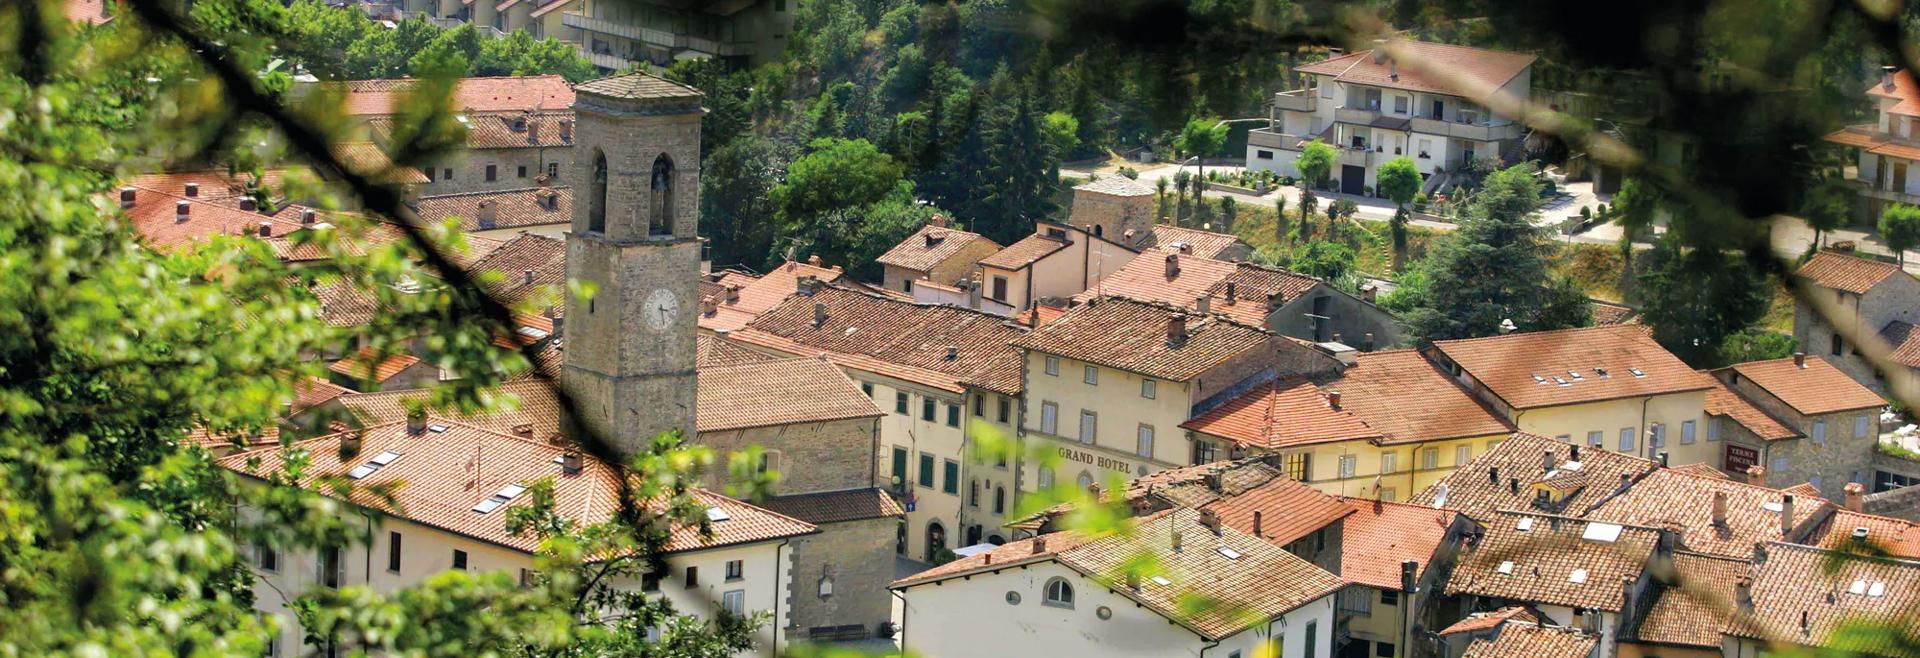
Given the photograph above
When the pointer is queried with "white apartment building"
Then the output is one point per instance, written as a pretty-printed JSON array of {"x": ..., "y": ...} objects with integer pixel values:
[
  {"x": 1885, "y": 151},
  {"x": 1427, "y": 101}
]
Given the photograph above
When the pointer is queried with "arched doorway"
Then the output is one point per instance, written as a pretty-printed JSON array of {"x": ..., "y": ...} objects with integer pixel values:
[
  {"x": 973, "y": 535},
  {"x": 936, "y": 540}
]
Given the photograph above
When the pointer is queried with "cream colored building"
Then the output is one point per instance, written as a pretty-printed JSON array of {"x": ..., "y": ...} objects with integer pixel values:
[{"x": 1051, "y": 266}]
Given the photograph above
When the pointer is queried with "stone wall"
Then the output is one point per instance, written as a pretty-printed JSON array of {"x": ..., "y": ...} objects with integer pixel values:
[
  {"x": 1351, "y": 318},
  {"x": 1113, "y": 214},
  {"x": 857, "y": 556},
  {"x": 810, "y": 457},
  {"x": 466, "y": 170},
  {"x": 1897, "y": 298},
  {"x": 1845, "y": 456}
]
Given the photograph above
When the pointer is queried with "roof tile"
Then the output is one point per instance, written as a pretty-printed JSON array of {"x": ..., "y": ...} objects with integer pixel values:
[
  {"x": 1572, "y": 366},
  {"x": 1814, "y": 389},
  {"x": 1848, "y": 273}
]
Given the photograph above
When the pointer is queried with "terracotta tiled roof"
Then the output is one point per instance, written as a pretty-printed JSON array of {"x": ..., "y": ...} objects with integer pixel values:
[
  {"x": 1722, "y": 401},
  {"x": 497, "y": 94},
  {"x": 1261, "y": 583},
  {"x": 367, "y": 159},
  {"x": 1205, "y": 244},
  {"x": 1145, "y": 278},
  {"x": 1481, "y": 621},
  {"x": 1555, "y": 561},
  {"x": 1131, "y": 335},
  {"x": 1282, "y": 414},
  {"x": 1904, "y": 341},
  {"x": 930, "y": 246},
  {"x": 716, "y": 351},
  {"x": 836, "y": 506},
  {"x": 1843, "y": 272},
  {"x": 1526, "y": 640},
  {"x": 1692, "y": 610},
  {"x": 638, "y": 85},
  {"x": 1519, "y": 463},
  {"x": 1408, "y": 399},
  {"x": 312, "y": 392},
  {"x": 446, "y": 473},
  {"x": 1606, "y": 313},
  {"x": 1289, "y": 510},
  {"x": 1818, "y": 388},
  {"x": 784, "y": 392},
  {"x": 211, "y": 440},
  {"x": 1258, "y": 290},
  {"x": 903, "y": 339},
  {"x": 1803, "y": 595},
  {"x": 1471, "y": 73},
  {"x": 1522, "y": 368},
  {"x": 1380, "y": 535},
  {"x": 543, "y": 257},
  {"x": 511, "y": 208},
  {"x": 1039, "y": 315},
  {"x": 1701, "y": 470},
  {"x": 757, "y": 294},
  {"x": 1683, "y": 502},
  {"x": 1023, "y": 253},
  {"x": 1899, "y": 537},
  {"x": 361, "y": 365},
  {"x": 496, "y": 130},
  {"x": 529, "y": 409},
  {"x": 1115, "y": 185},
  {"x": 1221, "y": 483},
  {"x": 155, "y": 217},
  {"x": 1904, "y": 90}
]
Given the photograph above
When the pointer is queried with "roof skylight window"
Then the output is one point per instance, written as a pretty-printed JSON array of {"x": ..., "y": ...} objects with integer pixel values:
[
  {"x": 500, "y": 498},
  {"x": 372, "y": 465}
]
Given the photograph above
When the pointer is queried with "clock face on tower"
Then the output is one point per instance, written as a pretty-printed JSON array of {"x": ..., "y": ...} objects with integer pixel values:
[{"x": 661, "y": 309}]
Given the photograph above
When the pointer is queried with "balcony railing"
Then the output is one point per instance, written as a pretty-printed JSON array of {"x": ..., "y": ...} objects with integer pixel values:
[
  {"x": 1357, "y": 157},
  {"x": 1264, "y": 137},
  {"x": 712, "y": 47},
  {"x": 1359, "y": 115},
  {"x": 1298, "y": 100},
  {"x": 1480, "y": 131},
  {"x": 649, "y": 35},
  {"x": 608, "y": 60}
]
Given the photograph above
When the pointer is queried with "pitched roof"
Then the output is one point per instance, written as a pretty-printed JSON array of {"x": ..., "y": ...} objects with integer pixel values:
[
  {"x": 1381, "y": 534},
  {"x": 1904, "y": 341},
  {"x": 511, "y": 208},
  {"x": 1723, "y": 401},
  {"x": 368, "y": 159},
  {"x": 638, "y": 86},
  {"x": 1683, "y": 501},
  {"x": 1848, "y": 273},
  {"x": 1233, "y": 489},
  {"x": 155, "y": 216},
  {"x": 1288, "y": 509},
  {"x": 1904, "y": 90},
  {"x": 446, "y": 473},
  {"x": 482, "y": 94},
  {"x": 530, "y": 266},
  {"x": 1441, "y": 68},
  {"x": 1131, "y": 335},
  {"x": 1114, "y": 185},
  {"x": 1481, "y": 621},
  {"x": 342, "y": 302},
  {"x": 1529, "y": 640},
  {"x": 1408, "y": 399},
  {"x": 1814, "y": 389},
  {"x": 930, "y": 246},
  {"x": 1802, "y": 595},
  {"x": 527, "y": 409},
  {"x": 710, "y": 351},
  {"x": 1898, "y": 537},
  {"x": 1555, "y": 560},
  {"x": 1572, "y": 366},
  {"x": 1282, "y": 414},
  {"x": 1692, "y": 610},
  {"x": 367, "y": 364},
  {"x": 310, "y": 392},
  {"x": 836, "y": 506},
  {"x": 503, "y": 129},
  {"x": 1606, "y": 313},
  {"x": 1519, "y": 463},
  {"x": 783, "y": 392},
  {"x": 1025, "y": 252},
  {"x": 1205, "y": 244},
  {"x": 1258, "y": 289},
  {"x": 1249, "y": 582},
  {"x": 757, "y": 294},
  {"x": 898, "y": 338}
]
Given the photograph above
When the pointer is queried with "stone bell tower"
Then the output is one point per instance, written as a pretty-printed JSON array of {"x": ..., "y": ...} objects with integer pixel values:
[{"x": 630, "y": 346}]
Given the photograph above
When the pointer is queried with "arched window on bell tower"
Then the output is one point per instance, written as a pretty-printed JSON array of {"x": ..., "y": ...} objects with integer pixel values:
[
  {"x": 597, "y": 198},
  {"x": 660, "y": 198}
]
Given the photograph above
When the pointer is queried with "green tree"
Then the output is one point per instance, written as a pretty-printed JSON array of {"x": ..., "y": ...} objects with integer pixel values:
[
  {"x": 519, "y": 53},
  {"x": 1279, "y": 218},
  {"x": 1900, "y": 229},
  {"x": 1827, "y": 207},
  {"x": 1494, "y": 268},
  {"x": 1201, "y": 138},
  {"x": 1755, "y": 344},
  {"x": 1634, "y": 207},
  {"x": 1695, "y": 298},
  {"x": 833, "y": 174},
  {"x": 1330, "y": 261},
  {"x": 736, "y": 188},
  {"x": 1315, "y": 163},
  {"x": 1229, "y": 209},
  {"x": 1062, "y": 133},
  {"x": 1399, "y": 180}
]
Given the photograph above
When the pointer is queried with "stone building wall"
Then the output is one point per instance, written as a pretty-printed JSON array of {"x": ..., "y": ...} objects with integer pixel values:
[
  {"x": 810, "y": 457},
  {"x": 1897, "y": 298},
  {"x": 466, "y": 170},
  {"x": 857, "y": 556}
]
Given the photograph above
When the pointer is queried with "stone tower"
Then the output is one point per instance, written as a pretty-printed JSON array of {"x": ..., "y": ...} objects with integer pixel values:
[
  {"x": 630, "y": 347},
  {"x": 1112, "y": 205}
]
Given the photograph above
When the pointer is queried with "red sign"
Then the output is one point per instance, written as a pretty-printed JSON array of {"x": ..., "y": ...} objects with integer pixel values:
[{"x": 1740, "y": 459}]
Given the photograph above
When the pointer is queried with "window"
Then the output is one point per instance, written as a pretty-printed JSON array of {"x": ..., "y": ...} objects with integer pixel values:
[
  {"x": 1000, "y": 288},
  {"x": 1389, "y": 597},
  {"x": 1430, "y": 458},
  {"x": 1059, "y": 594},
  {"x": 597, "y": 197},
  {"x": 734, "y": 601},
  {"x": 1462, "y": 454},
  {"x": 736, "y": 570},
  {"x": 951, "y": 469},
  {"x": 650, "y": 582},
  {"x": 1426, "y": 146},
  {"x": 979, "y": 406},
  {"x": 926, "y": 470},
  {"x": 459, "y": 559},
  {"x": 1313, "y": 638},
  {"x": 1383, "y": 649},
  {"x": 1713, "y": 429},
  {"x": 906, "y": 286},
  {"x": 1860, "y": 426},
  {"x": 1091, "y": 376},
  {"x": 1005, "y": 410},
  {"x": 899, "y": 465},
  {"x": 1687, "y": 430},
  {"x": 1659, "y": 438},
  {"x": 1297, "y": 465},
  {"x": 1263, "y": 154},
  {"x": 1387, "y": 494},
  {"x": 553, "y": 170},
  {"x": 522, "y": 171},
  {"x": 1835, "y": 344},
  {"x": 1085, "y": 481},
  {"x": 1779, "y": 464},
  {"x": 693, "y": 577},
  {"x": 1819, "y": 432},
  {"x": 447, "y": 173},
  {"x": 493, "y": 173},
  {"x": 393, "y": 552},
  {"x": 1389, "y": 462},
  {"x": 926, "y": 409},
  {"x": 1149, "y": 389},
  {"x": 1347, "y": 464},
  {"x": 1049, "y": 418},
  {"x": 1053, "y": 366},
  {"x": 1626, "y": 439},
  {"x": 1399, "y": 105},
  {"x": 1089, "y": 423},
  {"x": 265, "y": 557},
  {"x": 973, "y": 493},
  {"x": 867, "y": 388},
  {"x": 900, "y": 403},
  {"x": 1045, "y": 478},
  {"x": 660, "y": 201},
  {"x": 430, "y": 171},
  {"x": 1596, "y": 438},
  {"x": 999, "y": 500},
  {"x": 953, "y": 415},
  {"x": 1205, "y": 453},
  {"x": 1143, "y": 441}
]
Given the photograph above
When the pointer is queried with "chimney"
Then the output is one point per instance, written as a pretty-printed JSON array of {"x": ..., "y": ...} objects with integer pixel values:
[
  {"x": 1256, "y": 524},
  {"x": 1176, "y": 329},
  {"x": 266, "y": 229},
  {"x": 709, "y": 306},
  {"x": 1626, "y": 480},
  {"x": 1757, "y": 475},
  {"x": 1275, "y": 299},
  {"x": 1886, "y": 77},
  {"x": 570, "y": 462},
  {"x": 933, "y": 238},
  {"x": 1133, "y": 580},
  {"x": 1409, "y": 573},
  {"x": 246, "y": 203},
  {"x": 814, "y": 260},
  {"x": 533, "y": 133},
  {"x": 973, "y": 293},
  {"x": 1379, "y": 51},
  {"x": 306, "y": 216},
  {"x": 1212, "y": 480},
  {"x": 1203, "y": 304},
  {"x": 1333, "y": 399},
  {"x": 1233, "y": 293},
  {"x": 1366, "y": 343},
  {"x": 1743, "y": 594},
  {"x": 1546, "y": 460},
  {"x": 193, "y": 189},
  {"x": 953, "y": 353},
  {"x": 1211, "y": 520},
  {"x": 181, "y": 210},
  {"x": 1856, "y": 496},
  {"x": 937, "y": 220},
  {"x": 1173, "y": 265},
  {"x": 1720, "y": 509},
  {"x": 1860, "y": 535},
  {"x": 1662, "y": 457},
  {"x": 1493, "y": 475},
  {"x": 523, "y": 430},
  {"x": 733, "y": 293},
  {"x": 350, "y": 445},
  {"x": 126, "y": 197},
  {"x": 819, "y": 315},
  {"x": 1573, "y": 452},
  {"x": 1176, "y": 541},
  {"x": 487, "y": 215},
  {"x": 566, "y": 130},
  {"x": 1513, "y": 485},
  {"x": 526, "y": 277},
  {"x": 806, "y": 285},
  {"x": 416, "y": 422},
  {"x": 1799, "y": 359},
  {"x": 1039, "y": 544},
  {"x": 1786, "y": 515}
]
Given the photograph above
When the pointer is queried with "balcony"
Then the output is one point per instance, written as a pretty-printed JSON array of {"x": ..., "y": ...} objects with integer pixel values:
[
  {"x": 1479, "y": 131},
  {"x": 608, "y": 60},
  {"x": 1360, "y": 157},
  {"x": 1359, "y": 115},
  {"x": 648, "y": 35},
  {"x": 1267, "y": 138},
  {"x": 715, "y": 48},
  {"x": 1298, "y": 100}
]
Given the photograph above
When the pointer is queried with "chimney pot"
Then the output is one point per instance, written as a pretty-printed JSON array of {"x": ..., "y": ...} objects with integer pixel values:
[
  {"x": 1232, "y": 293},
  {"x": 1203, "y": 304},
  {"x": 709, "y": 306},
  {"x": 814, "y": 260},
  {"x": 1856, "y": 496},
  {"x": 570, "y": 462},
  {"x": 937, "y": 220},
  {"x": 487, "y": 215},
  {"x": 1860, "y": 534},
  {"x": 193, "y": 189},
  {"x": 1786, "y": 515},
  {"x": 733, "y": 293},
  {"x": 1333, "y": 399},
  {"x": 1720, "y": 509},
  {"x": 1662, "y": 456},
  {"x": 1039, "y": 545},
  {"x": 1757, "y": 475},
  {"x": 526, "y": 276},
  {"x": 1366, "y": 343},
  {"x": 1275, "y": 299},
  {"x": 350, "y": 444},
  {"x": 247, "y": 204},
  {"x": 1256, "y": 524},
  {"x": 1573, "y": 452},
  {"x": 1886, "y": 77},
  {"x": 1173, "y": 265},
  {"x": 181, "y": 210},
  {"x": 1176, "y": 541},
  {"x": 127, "y": 197},
  {"x": 819, "y": 315},
  {"x": 416, "y": 422},
  {"x": 1177, "y": 329},
  {"x": 1409, "y": 573},
  {"x": 266, "y": 229},
  {"x": 1513, "y": 485},
  {"x": 1133, "y": 580},
  {"x": 1369, "y": 292},
  {"x": 306, "y": 216},
  {"x": 1211, "y": 520},
  {"x": 1799, "y": 359},
  {"x": 1493, "y": 474},
  {"x": 1546, "y": 460},
  {"x": 953, "y": 353}
]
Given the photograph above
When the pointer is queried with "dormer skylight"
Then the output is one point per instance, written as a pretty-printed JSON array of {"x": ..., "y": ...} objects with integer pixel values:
[
  {"x": 532, "y": 332},
  {"x": 1525, "y": 525},
  {"x": 717, "y": 515},
  {"x": 1575, "y": 374},
  {"x": 436, "y": 428},
  {"x": 1877, "y": 590},
  {"x": 1537, "y": 379},
  {"x": 1506, "y": 567},
  {"x": 1228, "y": 553},
  {"x": 372, "y": 465},
  {"x": 1637, "y": 372},
  {"x": 1858, "y": 588},
  {"x": 500, "y": 498}
]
